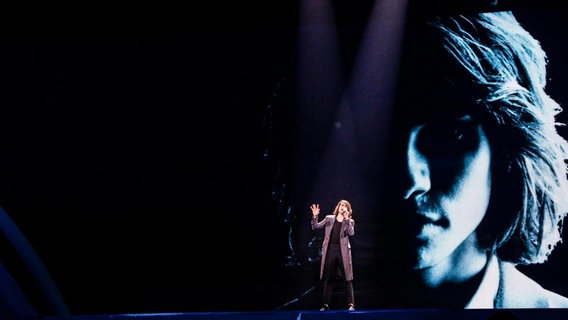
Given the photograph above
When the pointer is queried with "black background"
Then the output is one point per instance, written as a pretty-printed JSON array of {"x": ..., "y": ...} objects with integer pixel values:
[{"x": 134, "y": 152}]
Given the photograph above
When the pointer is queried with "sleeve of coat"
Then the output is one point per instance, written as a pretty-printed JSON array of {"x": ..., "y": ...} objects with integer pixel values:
[
  {"x": 350, "y": 227},
  {"x": 317, "y": 225}
]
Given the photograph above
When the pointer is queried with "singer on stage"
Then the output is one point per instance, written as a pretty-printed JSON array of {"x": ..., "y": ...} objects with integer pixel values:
[{"x": 336, "y": 261}]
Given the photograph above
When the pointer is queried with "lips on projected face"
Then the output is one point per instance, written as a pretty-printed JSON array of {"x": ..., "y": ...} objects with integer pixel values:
[{"x": 450, "y": 187}]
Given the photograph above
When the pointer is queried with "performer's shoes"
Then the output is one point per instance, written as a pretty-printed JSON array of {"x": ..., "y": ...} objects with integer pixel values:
[
  {"x": 325, "y": 307},
  {"x": 351, "y": 307}
]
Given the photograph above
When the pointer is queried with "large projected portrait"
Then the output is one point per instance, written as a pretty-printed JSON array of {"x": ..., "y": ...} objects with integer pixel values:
[
  {"x": 477, "y": 173},
  {"x": 440, "y": 130}
]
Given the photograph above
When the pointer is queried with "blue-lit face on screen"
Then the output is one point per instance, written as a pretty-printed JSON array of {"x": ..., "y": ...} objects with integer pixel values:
[
  {"x": 449, "y": 182},
  {"x": 452, "y": 161}
]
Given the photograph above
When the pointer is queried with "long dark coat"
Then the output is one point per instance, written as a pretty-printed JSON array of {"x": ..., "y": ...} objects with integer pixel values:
[{"x": 347, "y": 230}]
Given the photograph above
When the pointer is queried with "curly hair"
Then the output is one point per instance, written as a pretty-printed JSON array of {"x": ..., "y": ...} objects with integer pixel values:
[{"x": 506, "y": 67}]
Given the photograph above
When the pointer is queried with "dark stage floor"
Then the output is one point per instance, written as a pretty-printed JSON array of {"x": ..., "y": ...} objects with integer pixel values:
[{"x": 434, "y": 314}]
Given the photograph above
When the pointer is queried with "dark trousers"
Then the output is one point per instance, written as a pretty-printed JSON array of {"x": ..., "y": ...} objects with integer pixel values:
[{"x": 334, "y": 274}]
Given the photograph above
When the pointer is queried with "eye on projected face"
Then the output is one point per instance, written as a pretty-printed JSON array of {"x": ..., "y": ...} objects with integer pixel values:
[{"x": 449, "y": 184}]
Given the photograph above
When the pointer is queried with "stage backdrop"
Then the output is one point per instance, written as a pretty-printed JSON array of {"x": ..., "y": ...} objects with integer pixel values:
[{"x": 167, "y": 165}]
